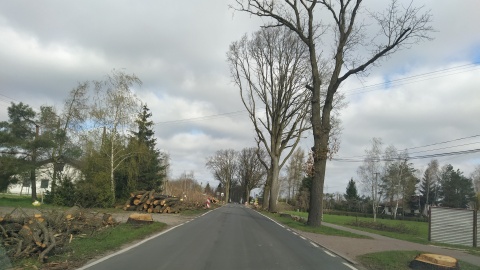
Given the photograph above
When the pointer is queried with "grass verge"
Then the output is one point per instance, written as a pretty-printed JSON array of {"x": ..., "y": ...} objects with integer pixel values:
[
  {"x": 81, "y": 250},
  {"x": 397, "y": 260},
  {"x": 321, "y": 230},
  {"x": 417, "y": 231},
  {"x": 411, "y": 231}
]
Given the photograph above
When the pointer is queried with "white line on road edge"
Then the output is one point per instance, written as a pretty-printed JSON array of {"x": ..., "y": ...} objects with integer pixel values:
[
  {"x": 137, "y": 244},
  {"x": 349, "y": 266},
  {"x": 313, "y": 244},
  {"x": 126, "y": 249},
  {"x": 329, "y": 253},
  {"x": 303, "y": 237}
]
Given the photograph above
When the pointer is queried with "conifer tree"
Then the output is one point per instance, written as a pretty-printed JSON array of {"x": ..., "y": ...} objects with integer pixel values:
[
  {"x": 351, "y": 194},
  {"x": 150, "y": 162}
]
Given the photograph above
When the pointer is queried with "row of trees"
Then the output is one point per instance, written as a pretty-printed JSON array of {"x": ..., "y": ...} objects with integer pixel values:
[
  {"x": 321, "y": 44},
  {"x": 238, "y": 170},
  {"x": 103, "y": 134},
  {"x": 389, "y": 182},
  {"x": 387, "y": 174}
]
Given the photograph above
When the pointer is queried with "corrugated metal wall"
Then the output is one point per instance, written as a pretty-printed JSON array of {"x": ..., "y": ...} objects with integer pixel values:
[{"x": 452, "y": 226}]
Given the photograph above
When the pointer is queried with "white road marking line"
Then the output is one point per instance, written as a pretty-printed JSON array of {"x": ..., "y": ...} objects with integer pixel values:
[
  {"x": 330, "y": 253},
  {"x": 349, "y": 266},
  {"x": 295, "y": 233},
  {"x": 303, "y": 237},
  {"x": 126, "y": 249},
  {"x": 313, "y": 244}
]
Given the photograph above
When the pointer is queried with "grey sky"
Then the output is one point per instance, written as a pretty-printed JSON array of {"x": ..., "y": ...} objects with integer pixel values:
[{"x": 178, "y": 49}]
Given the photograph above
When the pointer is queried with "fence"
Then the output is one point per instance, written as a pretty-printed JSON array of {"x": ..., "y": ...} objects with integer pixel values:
[{"x": 453, "y": 226}]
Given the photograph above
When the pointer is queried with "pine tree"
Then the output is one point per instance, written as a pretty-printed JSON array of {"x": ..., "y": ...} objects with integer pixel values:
[
  {"x": 208, "y": 190},
  {"x": 351, "y": 194},
  {"x": 150, "y": 163},
  {"x": 428, "y": 189},
  {"x": 23, "y": 147},
  {"x": 456, "y": 190}
]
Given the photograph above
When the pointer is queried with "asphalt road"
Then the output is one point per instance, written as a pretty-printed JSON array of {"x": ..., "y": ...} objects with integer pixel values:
[{"x": 230, "y": 237}]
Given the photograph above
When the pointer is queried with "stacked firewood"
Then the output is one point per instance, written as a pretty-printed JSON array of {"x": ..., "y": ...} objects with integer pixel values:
[
  {"x": 152, "y": 202},
  {"x": 49, "y": 232}
]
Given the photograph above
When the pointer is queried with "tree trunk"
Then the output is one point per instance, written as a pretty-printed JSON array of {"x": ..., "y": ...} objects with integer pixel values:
[
  {"x": 321, "y": 133},
  {"x": 266, "y": 191},
  {"x": 247, "y": 193},
  {"x": 275, "y": 186},
  {"x": 112, "y": 179},
  {"x": 227, "y": 190},
  {"x": 33, "y": 177},
  {"x": 33, "y": 183}
]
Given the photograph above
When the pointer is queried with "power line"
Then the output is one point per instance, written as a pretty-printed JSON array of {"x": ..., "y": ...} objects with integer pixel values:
[
  {"x": 455, "y": 153},
  {"x": 414, "y": 78},
  {"x": 400, "y": 81}
]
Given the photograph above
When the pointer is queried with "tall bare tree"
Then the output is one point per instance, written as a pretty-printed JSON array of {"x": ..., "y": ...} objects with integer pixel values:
[
  {"x": 114, "y": 109},
  {"x": 338, "y": 25},
  {"x": 224, "y": 168},
  {"x": 271, "y": 70}
]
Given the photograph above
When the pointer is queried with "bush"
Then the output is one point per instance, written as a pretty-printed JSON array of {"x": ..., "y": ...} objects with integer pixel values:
[{"x": 64, "y": 193}]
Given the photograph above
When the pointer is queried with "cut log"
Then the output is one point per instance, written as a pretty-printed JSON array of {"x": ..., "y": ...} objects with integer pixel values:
[
  {"x": 39, "y": 218},
  {"x": 71, "y": 213},
  {"x": 140, "y": 219},
  {"x": 150, "y": 194}
]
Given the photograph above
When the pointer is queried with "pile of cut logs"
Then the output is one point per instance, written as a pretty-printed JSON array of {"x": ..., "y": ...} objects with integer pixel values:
[
  {"x": 49, "y": 232},
  {"x": 151, "y": 202}
]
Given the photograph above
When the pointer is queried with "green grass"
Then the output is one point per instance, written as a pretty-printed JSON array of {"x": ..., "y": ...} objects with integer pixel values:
[
  {"x": 397, "y": 260},
  {"x": 83, "y": 249},
  {"x": 418, "y": 231},
  {"x": 320, "y": 230},
  {"x": 8, "y": 200}
]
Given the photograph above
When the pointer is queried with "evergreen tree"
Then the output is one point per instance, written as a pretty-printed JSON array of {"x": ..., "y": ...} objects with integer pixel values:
[
  {"x": 23, "y": 147},
  {"x": 351, "y": 194},
  {"x": 427, "y": 189},
  {"x": 456, "y": 190},
  {"x": 208, "y": 190},
  {"x": 149, "y": 161}
]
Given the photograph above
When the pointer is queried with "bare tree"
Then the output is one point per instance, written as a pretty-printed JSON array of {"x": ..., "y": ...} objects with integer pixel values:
[
  {"x": 115, "y": 107},
  {"x": 224, "y": 168},
  {"x": 476, "y": 179},
  {"x": 395, "y": 176},
  {"x": 272, "y": 69},
  {"x": 68, "y": 124},
  {"x": 336, "y": 25},
  {"x": 295, "y": 172},
  {"x": 371, "y": 172},
  {"x": 251, "y": 171}
]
